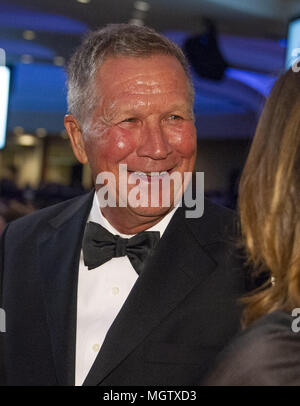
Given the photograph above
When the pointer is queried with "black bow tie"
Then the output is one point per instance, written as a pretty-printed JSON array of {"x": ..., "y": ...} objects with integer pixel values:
[{"x": 99, "y": 246}]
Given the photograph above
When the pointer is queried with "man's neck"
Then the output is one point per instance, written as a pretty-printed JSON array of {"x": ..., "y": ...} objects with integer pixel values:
[{"x": 126, "y": 222}]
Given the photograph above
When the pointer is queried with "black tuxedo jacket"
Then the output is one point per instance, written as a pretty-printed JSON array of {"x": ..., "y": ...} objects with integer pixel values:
[{"x": 181, "y": 312}]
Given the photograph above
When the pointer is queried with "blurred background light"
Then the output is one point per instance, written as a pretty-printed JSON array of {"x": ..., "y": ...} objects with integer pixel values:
[{"x": 4, "y": 92}]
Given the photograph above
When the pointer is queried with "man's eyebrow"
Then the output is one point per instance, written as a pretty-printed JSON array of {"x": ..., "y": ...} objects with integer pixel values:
[
  {"x": 186, "y": 108},
  {"x": 134, "y": 109},
  {"x": 179, "y": 107}
]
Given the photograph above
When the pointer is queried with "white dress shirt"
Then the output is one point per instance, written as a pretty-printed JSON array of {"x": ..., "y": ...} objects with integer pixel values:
[{"x": 102, "y": 292}]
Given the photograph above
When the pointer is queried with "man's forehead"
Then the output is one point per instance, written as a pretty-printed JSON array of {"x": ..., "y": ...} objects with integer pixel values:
[
  {"x": 135, "y": 101},
  {"x": 148, "y": 88},
  {"x": 151, "y": 69},
  {"x": 129, "y": 77},
  {"x": 144, "y": 103}
]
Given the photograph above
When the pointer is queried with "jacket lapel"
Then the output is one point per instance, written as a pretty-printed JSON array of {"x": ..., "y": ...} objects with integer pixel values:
[
  {"x": 177, "y": 267},
  {"x": 59, "y": 253}
]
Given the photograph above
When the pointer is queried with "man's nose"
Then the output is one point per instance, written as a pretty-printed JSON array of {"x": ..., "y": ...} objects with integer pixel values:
[{"x": 154, "y": 142}]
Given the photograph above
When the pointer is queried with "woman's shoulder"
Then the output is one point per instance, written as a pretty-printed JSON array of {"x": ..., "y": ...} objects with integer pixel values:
[
  {"x": 275, "y": 326},
  {"x": 267, "y": 353}
]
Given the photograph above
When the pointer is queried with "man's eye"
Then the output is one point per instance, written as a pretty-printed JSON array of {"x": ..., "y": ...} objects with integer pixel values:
[
  {"x": 175, "y": 117},
  {"x": 129, "y": 120}
]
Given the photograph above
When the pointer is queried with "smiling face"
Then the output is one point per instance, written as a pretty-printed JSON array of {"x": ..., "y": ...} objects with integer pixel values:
[{"x": 144, "y": 119}]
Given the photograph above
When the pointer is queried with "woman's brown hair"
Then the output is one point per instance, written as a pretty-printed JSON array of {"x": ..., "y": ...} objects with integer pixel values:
[{"x": 269, "y": 201}]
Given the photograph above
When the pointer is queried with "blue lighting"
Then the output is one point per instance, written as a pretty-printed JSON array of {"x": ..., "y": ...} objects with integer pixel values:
[
  {"x": 26, "y": 47},
  {"x": 39, "y": 88},
  {"x": 283, "y": 42},
  {"x": 206, "y": 103},
  {"x": 260, "y": 82},
  {"x": 18, "y": 17}
]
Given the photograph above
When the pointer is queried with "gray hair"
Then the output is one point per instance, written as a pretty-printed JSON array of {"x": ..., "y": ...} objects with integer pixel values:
[{"x": 113, "y": 40}]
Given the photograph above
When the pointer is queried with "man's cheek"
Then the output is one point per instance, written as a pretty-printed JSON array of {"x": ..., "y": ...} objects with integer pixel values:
[
  {"x": 114, "y": 147},
  {"x": 120, "y": 144},
  {"x": 184, "y": 141}
]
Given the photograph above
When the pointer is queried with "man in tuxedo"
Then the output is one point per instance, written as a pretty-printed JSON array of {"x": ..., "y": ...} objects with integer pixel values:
[{"x": 122, "y": 294}]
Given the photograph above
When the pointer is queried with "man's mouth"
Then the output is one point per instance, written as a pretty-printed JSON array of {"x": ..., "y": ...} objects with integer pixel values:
[{"x": 149, "y": 176}]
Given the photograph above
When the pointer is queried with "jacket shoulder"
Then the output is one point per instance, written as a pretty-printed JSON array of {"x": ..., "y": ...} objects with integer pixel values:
[{"x": 26, "y": 225}]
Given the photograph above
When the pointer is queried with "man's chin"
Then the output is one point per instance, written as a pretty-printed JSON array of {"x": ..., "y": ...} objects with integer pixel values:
[{"x": 151, "y": 211}]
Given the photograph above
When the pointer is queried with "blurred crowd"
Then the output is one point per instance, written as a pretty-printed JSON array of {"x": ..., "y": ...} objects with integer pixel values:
[{"x": 16, "y": 202}]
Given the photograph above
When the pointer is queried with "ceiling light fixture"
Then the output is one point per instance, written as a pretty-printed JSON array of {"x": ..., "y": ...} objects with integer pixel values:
[
  {"x": 26, "y": 140},
  {"x": 59, "y": 60},
  {"x": 141, "y": 5},
  {"x": 26, "y": 58},
  {"x": 83, "y": 1},
  {"x": 29, "y": 35}
]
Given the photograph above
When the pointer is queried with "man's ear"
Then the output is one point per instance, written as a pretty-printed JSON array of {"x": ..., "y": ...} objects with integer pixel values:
[{"x": 76, "y": 138}]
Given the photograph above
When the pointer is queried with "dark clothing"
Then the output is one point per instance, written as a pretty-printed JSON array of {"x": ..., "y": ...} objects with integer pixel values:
[
  {"x": 181, "y": 312},
  {"x": 266, "y": 354}
]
